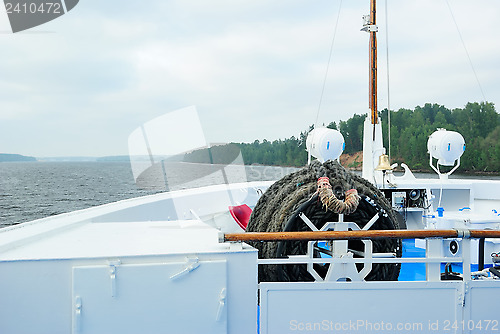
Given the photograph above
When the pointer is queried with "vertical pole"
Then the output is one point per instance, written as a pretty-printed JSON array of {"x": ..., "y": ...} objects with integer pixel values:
[
  {"x": 466, "y": 246},
  {"x": 433, "y": 250},
  {"x": 373, "y": 64},
  {"x": 480, "y": 262},
  {"x": 373, "y": 145}
]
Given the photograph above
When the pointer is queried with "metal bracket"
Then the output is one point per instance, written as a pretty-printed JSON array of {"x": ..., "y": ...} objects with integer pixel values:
[
  {"x": 191, "y": 264},
  {"x": 462, "y": 233},
  {"x": 307, "y": 221},
  {"x": 221, "y": 237},
  {"x": 463, "y": 293},
  {"x": 112, "y": 275},
  {"x": 222, "y": 303},
  {"x": 78, "y": 314},
  {"x": 371, "y": 222},
  {"x": 367, "y": 26},
  {"x": 370, "y": 28}
]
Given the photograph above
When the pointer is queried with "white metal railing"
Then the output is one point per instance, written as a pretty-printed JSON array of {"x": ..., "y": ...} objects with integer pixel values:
[{"x": 342, "y": 264}]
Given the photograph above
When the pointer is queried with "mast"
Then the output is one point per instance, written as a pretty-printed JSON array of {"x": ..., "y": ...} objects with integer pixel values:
[
  {"x": 373, "y": 146},
  {"x": 372, "y": 28}
]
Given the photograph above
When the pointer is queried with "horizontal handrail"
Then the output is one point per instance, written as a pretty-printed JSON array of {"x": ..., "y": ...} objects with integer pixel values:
[
  {"x": 359, "y": 235},
  {"x": 294, "y": 259}
]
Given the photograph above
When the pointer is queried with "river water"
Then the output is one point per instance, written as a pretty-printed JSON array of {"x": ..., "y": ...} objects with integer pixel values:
[{"x": 33, "y": 190}]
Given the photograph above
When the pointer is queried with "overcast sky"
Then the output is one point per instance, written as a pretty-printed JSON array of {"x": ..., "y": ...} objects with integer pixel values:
[{"x": 79, "y": 85}]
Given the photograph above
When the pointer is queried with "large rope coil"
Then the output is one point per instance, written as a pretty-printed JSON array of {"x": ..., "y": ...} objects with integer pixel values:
[{"x": 321, "y": 192}]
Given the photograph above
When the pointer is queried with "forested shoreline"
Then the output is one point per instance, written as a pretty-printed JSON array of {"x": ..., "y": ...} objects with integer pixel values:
[
  {"x": 5, "y": 157},
  {"x": 479, "y": 124}
]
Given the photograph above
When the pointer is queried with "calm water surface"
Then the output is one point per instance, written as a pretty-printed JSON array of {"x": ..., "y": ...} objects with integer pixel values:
[{"x": 33, "y": 190}]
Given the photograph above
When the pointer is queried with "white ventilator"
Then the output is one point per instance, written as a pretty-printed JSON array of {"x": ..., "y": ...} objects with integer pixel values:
[{"x": 324, "y": 144}]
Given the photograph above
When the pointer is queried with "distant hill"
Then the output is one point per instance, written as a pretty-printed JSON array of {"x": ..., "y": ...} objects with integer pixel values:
[
  {"x": 4, "y": 157},
  {"x": 119, "y": 158},
  {"x": 114, "y": 158},
  {"x": 67, "y": 159}
]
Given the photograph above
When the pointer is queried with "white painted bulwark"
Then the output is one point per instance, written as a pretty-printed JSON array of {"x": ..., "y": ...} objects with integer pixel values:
[
  {"x": 384, "y": 307},
  {"x": 82, "y": 273}
]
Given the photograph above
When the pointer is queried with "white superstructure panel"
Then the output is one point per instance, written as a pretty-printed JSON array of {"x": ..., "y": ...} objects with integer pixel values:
[{"x": 97, "y": 240}]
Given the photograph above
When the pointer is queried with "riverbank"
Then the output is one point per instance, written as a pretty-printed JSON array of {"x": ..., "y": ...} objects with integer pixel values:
[{"x": 354, "y": 162}]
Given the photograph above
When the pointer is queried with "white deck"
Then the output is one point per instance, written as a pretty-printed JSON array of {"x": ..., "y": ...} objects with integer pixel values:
[
  {"x": 98, "y": 240},
  {"x": 123, "y": 227}
]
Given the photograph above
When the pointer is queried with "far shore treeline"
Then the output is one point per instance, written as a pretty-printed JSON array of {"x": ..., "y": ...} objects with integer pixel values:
[
  {"x": 479, "y": 124},
  {"x": 4, "y": 157}
]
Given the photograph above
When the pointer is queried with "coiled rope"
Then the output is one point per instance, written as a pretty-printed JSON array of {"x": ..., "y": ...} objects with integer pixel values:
[
  {"x": 321, "y": 201},
  {"x": 332, "y": 203}
]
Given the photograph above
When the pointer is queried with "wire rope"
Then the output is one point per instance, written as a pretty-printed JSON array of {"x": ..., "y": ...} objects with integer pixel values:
[
  {"x": 328, "y": 65},
  {"x": 466, "y": 51}
]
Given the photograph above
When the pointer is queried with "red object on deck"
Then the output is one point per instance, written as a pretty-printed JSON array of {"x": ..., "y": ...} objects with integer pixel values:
[{"x": 241, "y": 213}]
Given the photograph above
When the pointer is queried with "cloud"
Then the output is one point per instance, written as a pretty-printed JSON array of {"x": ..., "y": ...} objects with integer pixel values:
[{"x": 82, "y": 83}]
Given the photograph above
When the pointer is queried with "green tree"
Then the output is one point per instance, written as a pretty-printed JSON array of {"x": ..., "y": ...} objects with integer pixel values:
[{"x": 479, "y": 124}]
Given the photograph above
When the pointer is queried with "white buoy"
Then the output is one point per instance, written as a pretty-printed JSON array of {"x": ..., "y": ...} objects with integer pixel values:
[{"x": 325, "y": 144}]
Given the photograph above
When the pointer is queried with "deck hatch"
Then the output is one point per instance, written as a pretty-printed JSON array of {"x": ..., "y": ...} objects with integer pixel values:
[{"x": 146, "y": 300}]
